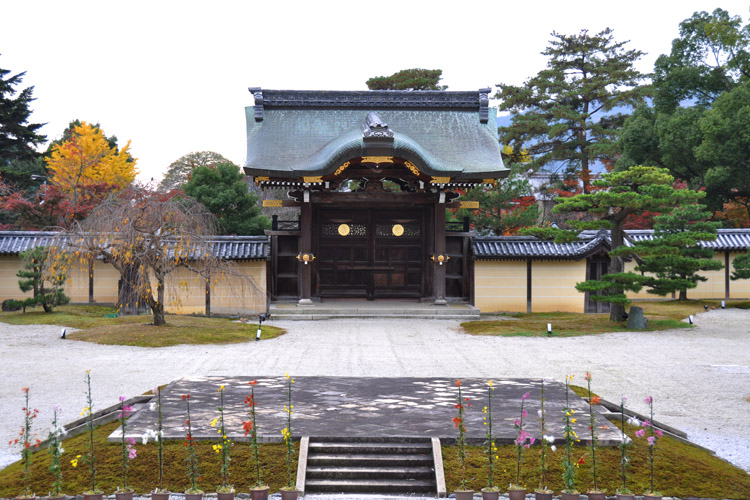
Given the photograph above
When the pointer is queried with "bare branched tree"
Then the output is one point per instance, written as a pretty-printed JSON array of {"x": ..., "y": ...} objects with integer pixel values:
[{"x": 146, "y": 235}]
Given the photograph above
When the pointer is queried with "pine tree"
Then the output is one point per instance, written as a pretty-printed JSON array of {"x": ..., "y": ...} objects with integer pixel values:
[
  {"x": 674, "y": 256},
  {"x": 622, "y": 194},
  {"x": 18, "y": 137},
  {"x": 566, "y": 113},
  {"x": 741, "y": 266},
  {"x": 47, "y": 285},
  {"x": 408, "y": 79}
]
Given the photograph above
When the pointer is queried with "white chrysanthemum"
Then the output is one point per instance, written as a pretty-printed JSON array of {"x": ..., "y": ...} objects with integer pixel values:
[{"x": 149, "y": 434}]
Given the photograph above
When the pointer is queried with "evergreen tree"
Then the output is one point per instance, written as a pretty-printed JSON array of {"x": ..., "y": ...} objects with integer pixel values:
[
  {"x": 47, "y": 285},
  {"x": 696, "y": 127},
  {"x": 709, "y": 57},
  {"x": 224, "y": 192},
  {"x": 622, "y": 194},
  {"x": 674, "y": 256},
  {"x": 741, "y": 266},
  {"x": 408, "y": 79},
  {"x": 18, "y": 137},
  {"x": 566, "y": 113}
]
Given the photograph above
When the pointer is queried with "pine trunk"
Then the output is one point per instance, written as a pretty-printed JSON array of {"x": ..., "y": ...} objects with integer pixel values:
[{"x": 616, "y": 265}]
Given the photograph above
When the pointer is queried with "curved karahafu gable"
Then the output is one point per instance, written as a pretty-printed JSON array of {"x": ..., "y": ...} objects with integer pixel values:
[{"x": 312, "y": 133}]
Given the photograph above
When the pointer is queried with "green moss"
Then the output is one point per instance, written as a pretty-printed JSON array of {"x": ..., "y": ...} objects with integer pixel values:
[
  {"x": 680, "y": 469},
  {"x": 563, "y": 325},
  {"x": 143, "y": 473},
  {"x": 662, "y": 315},
  {"x": 95, "y": 326}
]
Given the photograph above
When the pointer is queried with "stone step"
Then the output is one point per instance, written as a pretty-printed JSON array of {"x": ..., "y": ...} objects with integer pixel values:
[
  {"x": 426, "y": 473},
  {"x": 417, "y": 311},
  {"x": 370, "y": 447},
  {"x": 366, "y": 309},
  {"x": 369, "y": 486},
  {"x": 314, "y": 317},
  {"x": 368, "y": 459}
]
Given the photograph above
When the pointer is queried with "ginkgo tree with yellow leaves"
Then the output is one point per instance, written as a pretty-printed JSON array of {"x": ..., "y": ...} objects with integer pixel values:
[{"x": 88, "y": 158}]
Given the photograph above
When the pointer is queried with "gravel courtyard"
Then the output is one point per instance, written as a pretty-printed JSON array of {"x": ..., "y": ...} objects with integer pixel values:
[{"x": 699, "y": 378}]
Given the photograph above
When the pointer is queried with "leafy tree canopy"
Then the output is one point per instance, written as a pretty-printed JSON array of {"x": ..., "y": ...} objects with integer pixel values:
[
  {"x": 179, "y": 171},
  {"x": 223, "y": 191},
  {"x": 709, "y": 57},
  {"x": 408, "y": 79},
  {"x": 564, "y": 113},
  {"x": 701, "y": 102},
  {"x": 725, "y": 145},
  {"x": 88, "y": 158},
  {"x": 49, "y": 208}
]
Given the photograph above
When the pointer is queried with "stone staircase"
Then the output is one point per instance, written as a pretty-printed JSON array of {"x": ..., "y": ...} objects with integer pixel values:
[
  {"x": 337, "y": 465},
  {"x": 379, "y": 309}
]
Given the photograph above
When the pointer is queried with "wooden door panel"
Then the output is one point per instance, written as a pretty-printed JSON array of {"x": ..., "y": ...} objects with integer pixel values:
[{"x": 370, "y": 253}]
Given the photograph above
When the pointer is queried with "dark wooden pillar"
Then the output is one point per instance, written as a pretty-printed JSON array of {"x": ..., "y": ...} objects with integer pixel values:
[
  {"x": 91, "y": 280},
  {"x": 529, "y": 294},
  {"x": 726, "y": 275},
  {"x": 305, "y": 247},
  {"x": 439, "y": 271},
  {"x": 208, "y": 294}
]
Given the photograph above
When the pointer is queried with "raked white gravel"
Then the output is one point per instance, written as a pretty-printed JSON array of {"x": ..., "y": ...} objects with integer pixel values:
[{"x": 699, "y": 378}]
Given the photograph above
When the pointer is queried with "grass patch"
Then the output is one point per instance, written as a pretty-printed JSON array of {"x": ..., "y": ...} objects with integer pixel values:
[
  {"x": 662, "y": 315},
  {"x": 95, "y": 326},
  {"x": 680, "y": 469},
  {"x": 563, "y": 325},
  {"x": 143, "y": 473}
]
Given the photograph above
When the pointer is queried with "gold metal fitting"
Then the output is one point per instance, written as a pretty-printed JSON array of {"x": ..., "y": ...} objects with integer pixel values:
[
  {"x": 440, "y": 258},
  {"x": 306, "y": 258}
]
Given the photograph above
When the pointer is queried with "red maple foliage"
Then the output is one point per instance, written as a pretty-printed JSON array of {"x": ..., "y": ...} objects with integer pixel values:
[{"x": 50, "y": 207}]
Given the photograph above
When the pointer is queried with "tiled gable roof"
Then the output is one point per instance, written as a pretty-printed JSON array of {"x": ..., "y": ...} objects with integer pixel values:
[
  {"x": 588, "y": 243},
  {"x": 226, "y": 247}
]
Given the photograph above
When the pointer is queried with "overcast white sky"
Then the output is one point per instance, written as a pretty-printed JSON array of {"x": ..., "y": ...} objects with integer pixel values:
[{"x": 172, "y": 76}]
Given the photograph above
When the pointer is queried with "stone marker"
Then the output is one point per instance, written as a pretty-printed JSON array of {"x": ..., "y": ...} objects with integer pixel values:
[{"x": 636, "y": 319}]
